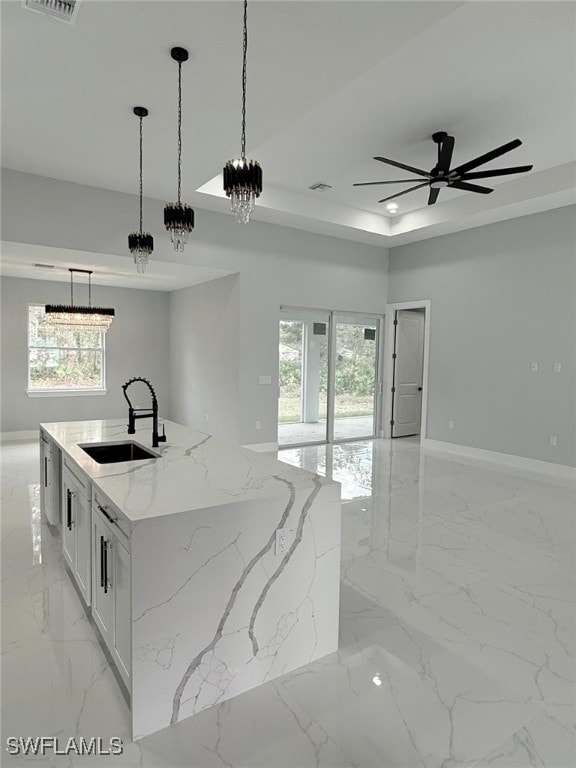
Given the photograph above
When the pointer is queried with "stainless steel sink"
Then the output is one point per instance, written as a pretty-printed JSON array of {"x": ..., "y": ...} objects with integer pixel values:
[{"x": 111, "y": 453}]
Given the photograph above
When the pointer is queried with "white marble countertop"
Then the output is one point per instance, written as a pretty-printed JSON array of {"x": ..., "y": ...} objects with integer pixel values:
[{"x": 194, "y": 470}]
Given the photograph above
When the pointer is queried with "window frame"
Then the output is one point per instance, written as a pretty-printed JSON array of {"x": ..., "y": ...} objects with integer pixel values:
[{"x": 63, "y": 391}]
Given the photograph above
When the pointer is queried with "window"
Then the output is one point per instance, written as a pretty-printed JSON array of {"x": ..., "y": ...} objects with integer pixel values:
[{"x": 63, "y": 360}]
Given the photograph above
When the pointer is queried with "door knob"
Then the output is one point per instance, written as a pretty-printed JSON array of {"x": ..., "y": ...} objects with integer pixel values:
[{"x": 419, "y": 389}]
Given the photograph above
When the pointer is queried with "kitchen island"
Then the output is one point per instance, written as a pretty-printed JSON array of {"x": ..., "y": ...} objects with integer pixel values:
[{"x": 213, "y": 568}]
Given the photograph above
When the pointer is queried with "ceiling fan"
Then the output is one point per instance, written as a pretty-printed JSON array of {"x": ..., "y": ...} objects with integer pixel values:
[{"x": 443, "y": 176}]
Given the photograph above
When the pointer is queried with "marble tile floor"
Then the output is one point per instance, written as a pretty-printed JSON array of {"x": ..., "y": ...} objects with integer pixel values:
[{"x": 457, "y": 631}]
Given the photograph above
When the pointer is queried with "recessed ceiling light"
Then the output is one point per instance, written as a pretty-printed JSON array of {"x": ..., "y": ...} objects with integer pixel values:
[{"x": 392, "y": 208}]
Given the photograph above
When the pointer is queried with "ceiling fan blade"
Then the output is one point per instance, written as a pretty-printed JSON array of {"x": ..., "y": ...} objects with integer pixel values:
[
  {"x": 405, "y": 192},
  {"x": 498, "y": 172},
  {"x": 470, "y": 187},
  {"x": 433, "y": 196},
  {"x": 445, "y": 155},
  {"x": 395, "y": 181},
  {"x": 492, "y": 155},
  {"x": 405, "y": 167}
]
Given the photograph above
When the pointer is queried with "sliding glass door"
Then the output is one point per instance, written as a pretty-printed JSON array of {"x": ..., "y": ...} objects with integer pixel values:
[
  {"x": 303, "y": 377},
  {"x": 328, "y": 376},
  {"x": 355, "y": 376}
]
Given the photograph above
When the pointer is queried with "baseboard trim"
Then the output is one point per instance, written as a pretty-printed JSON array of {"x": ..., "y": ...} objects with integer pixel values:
[
  {"x": 507, "y": 459},
  {"x": 262, "y": 447},
  {"x": 22, "y": 436}
]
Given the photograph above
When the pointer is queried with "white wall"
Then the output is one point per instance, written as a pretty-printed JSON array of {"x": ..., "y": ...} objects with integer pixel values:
[
  {"x": 503, "y": 296},
  {"x": 276, "y": 265},
  {"x": 204, "y": 343},
  {"x": 136, "y": 345}
]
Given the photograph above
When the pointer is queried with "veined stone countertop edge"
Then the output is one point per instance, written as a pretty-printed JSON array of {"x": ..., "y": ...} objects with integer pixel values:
[{"x": 194, "y": 470}]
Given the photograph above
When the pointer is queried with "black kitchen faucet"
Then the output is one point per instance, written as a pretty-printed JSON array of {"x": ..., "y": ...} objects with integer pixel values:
[{"x": 132, "y": 415}]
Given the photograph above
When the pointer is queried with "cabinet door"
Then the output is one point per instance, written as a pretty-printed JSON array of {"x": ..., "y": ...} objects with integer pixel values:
[
  {"x": 122, "y": 649},
  {"x": 46, "y": 472},
  {"x": 82, "y": 571},
  {"x": 102, "y": 590},
  {"x": 68, "y": 522}
]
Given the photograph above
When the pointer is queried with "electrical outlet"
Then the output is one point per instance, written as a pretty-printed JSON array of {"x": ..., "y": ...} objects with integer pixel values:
[
  {"x": 265, "y": 379},
  {"x": 258, "y": 424},
  {"x": 553, "y": 441},
  {"x": 281, "y": 541},
  {"x": 557, "y": 367},
  {"x": 451, "y": 424},
  {"x": 534, "y": 367}
]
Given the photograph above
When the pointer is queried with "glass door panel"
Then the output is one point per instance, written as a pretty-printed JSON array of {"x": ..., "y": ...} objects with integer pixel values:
[
  {"x": 355, "y": 376},
  {"x": 303, "y": 377}
]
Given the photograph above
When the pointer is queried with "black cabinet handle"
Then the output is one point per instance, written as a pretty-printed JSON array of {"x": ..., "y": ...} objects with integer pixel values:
[
  {"x": 105, "y": 546},
  {"x": 106, "y": 515},
  {"x": 102, "y": 545},
  {"x": 45, "y": 472},
  {"x": 69, "y": 509}
]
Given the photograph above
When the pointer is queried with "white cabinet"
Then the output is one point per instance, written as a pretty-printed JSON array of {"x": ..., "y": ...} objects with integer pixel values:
[
  {"x": 76, "y": 527},
  {"x": 111, "y": 582},
  {"x": 50, "y": 459}
]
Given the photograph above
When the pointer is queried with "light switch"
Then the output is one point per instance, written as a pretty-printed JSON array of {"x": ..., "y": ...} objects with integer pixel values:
[
  {"x": 557, "y": 367},
  {"x": 553, "y": 440},
  {"x": 534, "y": 367},
  {"x": 265, "y": 380},
  {"x": 451, "y": 424}
]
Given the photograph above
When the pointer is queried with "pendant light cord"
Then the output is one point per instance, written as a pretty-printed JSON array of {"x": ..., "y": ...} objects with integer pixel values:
[
  {"x": 140, "y": 175},
  {"x": 244, "y": 56},
  {"x": 71, "y": 288},
  {"x": 179, "y": 131}
]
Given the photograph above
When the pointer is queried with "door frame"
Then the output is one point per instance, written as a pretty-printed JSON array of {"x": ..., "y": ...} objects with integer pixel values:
[{"x": 389, "y": 363}]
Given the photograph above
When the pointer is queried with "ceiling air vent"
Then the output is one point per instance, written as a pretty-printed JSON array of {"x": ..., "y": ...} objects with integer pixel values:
[
  {"x": 65, "y": 10},
  {"x": 320, "y": 185},
  {"x": 44, "y": 266}
]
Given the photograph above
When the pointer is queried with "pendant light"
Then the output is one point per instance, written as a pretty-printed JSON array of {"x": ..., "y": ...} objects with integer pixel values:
[
  {"x": 141, "y": 243},
  {"x": 243, "y": 178},
  {"x": 92, "y": 318},
  {"x": 179, "y": 217}
]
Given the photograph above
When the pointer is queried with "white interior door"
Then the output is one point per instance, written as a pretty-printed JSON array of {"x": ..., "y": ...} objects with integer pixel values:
[{"x": 408, "y": 368}]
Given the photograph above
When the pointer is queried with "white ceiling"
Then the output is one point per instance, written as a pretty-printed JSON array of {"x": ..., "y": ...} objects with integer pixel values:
[
  {"x": 47, "y": 263},
  {"x": 330, "y": 85}
]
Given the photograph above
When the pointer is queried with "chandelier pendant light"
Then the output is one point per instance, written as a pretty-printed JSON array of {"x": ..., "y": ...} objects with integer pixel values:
[
  {"x": 242, "y": 177},
  {"x": 141, "y": 243},
  {"x": 88, "y": 317},
  {"x": 179, "y": 217}
]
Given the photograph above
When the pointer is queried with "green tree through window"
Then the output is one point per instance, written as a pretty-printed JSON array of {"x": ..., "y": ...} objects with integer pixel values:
[{"x": 63, "y": 358}]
